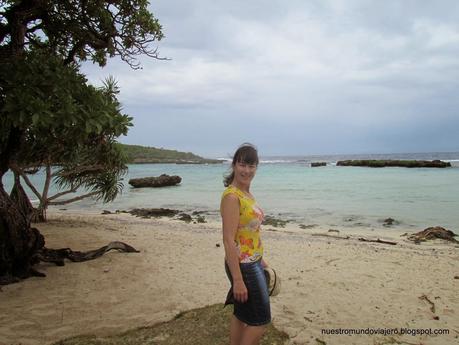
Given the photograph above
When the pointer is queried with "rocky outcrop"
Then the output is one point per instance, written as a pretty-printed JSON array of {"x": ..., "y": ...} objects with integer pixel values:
[
  {"x": 160, "y": 181},
  {"x": 167, "y": 212},
  {"x": 395, "y": 163},
  {"x": 388, "y": 222},
  {"x": 276, "y": 222},
  {"x": 318, "y": 164},
  {"x": 153, "y": 212}
]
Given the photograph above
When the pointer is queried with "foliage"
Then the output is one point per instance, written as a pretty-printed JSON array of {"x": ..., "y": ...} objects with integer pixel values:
[
  {"x": 67, "y": 123},
  {"x": 81, "y": 30},
  {"x": 143, "y": 154},
  {"x": 57, "y": 108}
]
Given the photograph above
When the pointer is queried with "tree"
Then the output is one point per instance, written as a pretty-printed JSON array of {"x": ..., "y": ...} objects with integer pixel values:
[
  {"x": 67, "y": 32},
  {"x": 70, "y": 125}
]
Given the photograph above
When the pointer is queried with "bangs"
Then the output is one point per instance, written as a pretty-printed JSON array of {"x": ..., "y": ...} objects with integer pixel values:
[{"x": 246, "y": 154}]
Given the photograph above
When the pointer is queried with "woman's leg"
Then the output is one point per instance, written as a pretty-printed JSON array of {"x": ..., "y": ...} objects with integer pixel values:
[
  {"x": 252, "y": 335},
  {"x": 236, "y": 330}
]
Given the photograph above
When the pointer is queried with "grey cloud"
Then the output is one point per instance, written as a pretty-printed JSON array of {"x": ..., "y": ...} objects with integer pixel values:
[{"x": 297, "y": 77}]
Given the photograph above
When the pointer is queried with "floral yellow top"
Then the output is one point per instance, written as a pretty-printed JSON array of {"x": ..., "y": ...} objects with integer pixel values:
[{"x": 248, "y": 240}]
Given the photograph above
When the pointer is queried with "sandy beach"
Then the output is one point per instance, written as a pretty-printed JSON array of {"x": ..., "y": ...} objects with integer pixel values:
[{"x": 330, "y": 284}]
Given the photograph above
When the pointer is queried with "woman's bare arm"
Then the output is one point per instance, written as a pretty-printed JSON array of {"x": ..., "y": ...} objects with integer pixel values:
[{"x": 230, "y": 215}]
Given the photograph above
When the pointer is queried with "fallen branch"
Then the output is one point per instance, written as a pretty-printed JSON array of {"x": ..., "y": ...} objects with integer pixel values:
[
  {"x": 332, "y": 236},
  {"x": 330, "y": 261},
  {"x": 377, "y": 241},
  {"x": 432, "y": 305}
]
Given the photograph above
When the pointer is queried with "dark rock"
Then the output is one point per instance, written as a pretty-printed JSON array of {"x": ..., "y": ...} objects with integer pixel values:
[
  {"x": 153, "y": 212},
  {"x": 217, "y": 245},
  {"x": 395, "y": 163},
  {"x": 318, "y": 164},
  {"x": 106, "y": 212},
  {"x": 269, "y": 220},
  {"x": 160, "y": 181},
  {"x": 389, "y": 222},
  {"x": 351, "y": 218},
  {"x": 185, "y": 217},
  {"x": 200, "y": 219}
]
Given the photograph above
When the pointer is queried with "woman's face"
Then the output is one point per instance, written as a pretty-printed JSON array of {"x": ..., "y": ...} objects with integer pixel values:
[{"x": 244, "y": 172}]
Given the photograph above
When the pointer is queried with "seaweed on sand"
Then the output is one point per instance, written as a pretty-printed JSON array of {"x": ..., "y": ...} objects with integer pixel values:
[{"x": 202, "y": 326}]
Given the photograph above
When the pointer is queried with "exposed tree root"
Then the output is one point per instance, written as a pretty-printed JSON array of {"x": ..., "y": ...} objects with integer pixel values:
[{"x": 57, "y": 256}]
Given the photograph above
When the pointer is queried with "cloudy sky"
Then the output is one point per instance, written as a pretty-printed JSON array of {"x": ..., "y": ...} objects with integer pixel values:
[{"x": 297, "y": 77}]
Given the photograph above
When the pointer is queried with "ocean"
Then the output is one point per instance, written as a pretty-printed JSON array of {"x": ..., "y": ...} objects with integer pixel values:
[{"x": 289, "y": 189}]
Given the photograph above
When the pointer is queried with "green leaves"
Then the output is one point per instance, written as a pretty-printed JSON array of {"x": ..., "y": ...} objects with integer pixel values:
[
  {"x": 46, "y": 105},
  {"x": 67, "y": 123}
]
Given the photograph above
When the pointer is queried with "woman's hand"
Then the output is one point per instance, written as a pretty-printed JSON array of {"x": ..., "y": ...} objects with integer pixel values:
[{"x": 240, "y": 291}]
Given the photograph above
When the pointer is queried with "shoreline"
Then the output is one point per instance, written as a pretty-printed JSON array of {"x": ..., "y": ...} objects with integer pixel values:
[
  {"x": 326, "y": 282},
  {"x": 351, "y": 225}
]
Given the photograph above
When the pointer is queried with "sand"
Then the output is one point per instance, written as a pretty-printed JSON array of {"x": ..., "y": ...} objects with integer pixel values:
[{"x": 327, "y": 283}]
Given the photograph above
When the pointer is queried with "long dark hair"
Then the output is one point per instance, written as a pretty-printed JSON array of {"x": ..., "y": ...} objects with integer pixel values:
[{"x": 246, "y": 153}]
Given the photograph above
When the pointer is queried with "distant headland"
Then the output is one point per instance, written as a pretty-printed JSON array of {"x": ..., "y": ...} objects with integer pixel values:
[{"x": 137, "y": 154}]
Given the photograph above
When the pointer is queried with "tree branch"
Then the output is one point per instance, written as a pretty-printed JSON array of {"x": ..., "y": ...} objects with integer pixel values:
[
  {"x": 47, "y": 182},
  {"x": 58, "y": 195},
  {"x": 68, "y": 201},
  {"x": 35, "y": 28},
  {"x": 27, "y": 181}
]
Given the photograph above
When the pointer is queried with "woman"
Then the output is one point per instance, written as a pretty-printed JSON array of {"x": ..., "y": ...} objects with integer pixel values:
[{"x": 244, "y": 262}]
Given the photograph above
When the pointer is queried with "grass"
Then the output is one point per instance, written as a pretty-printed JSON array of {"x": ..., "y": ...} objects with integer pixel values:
[{"x": 202, "y": 326}]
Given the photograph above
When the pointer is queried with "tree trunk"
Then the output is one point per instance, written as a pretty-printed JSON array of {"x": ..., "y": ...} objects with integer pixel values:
[
  {"x": 39, "y": 215},
  {"x": 20, "y": 198},
  {"x": 19, "y": 242}
]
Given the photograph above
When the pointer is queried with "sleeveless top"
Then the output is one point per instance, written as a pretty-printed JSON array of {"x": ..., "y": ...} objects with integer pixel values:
[{"x": 248, "y": 241}]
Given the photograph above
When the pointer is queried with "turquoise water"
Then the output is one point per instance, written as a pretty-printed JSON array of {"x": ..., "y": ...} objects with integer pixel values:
[{"x": 327, "y": 196}]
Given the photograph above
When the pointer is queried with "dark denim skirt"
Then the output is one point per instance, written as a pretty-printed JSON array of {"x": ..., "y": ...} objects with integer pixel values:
[{"x": 256, "y": 311}]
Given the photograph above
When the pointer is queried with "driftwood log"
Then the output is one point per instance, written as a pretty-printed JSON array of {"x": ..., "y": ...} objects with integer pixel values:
[
  {"x": 332, "y": 236},
  {"x": 360, "y": 239},
  {"x": 377, "y": 241}
]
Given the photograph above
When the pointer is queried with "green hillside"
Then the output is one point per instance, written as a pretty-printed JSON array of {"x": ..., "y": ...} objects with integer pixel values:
[{"x": 142, "y": 154}]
